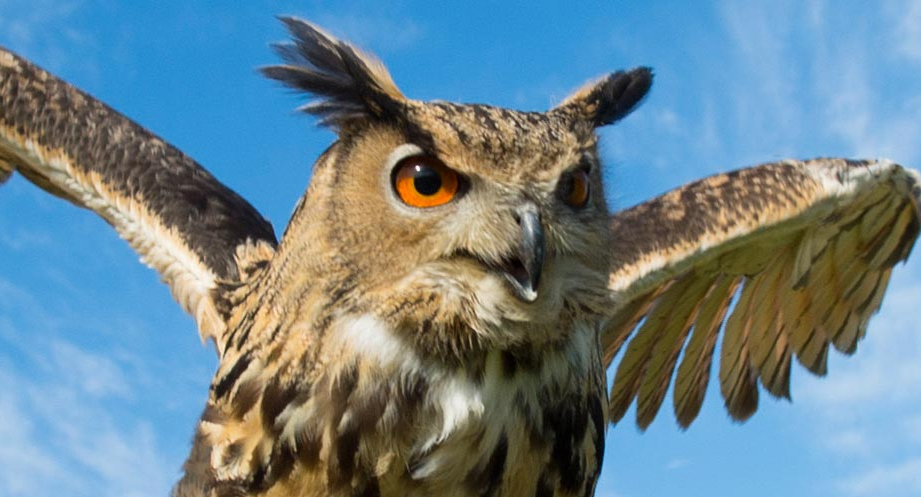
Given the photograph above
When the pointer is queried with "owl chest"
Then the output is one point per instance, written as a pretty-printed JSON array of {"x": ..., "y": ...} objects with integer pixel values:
[
  {"x": 513, "y": 439},
  {"x": 506, "y": 425}
]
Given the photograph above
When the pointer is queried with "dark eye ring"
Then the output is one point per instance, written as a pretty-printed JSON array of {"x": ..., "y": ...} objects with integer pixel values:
[{"x": 574, "y": 188}]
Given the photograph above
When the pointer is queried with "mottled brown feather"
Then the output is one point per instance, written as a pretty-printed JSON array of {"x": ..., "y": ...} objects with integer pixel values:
[
  {"x": 184, "y": 223},
  {"x": 814, "y": 243}
]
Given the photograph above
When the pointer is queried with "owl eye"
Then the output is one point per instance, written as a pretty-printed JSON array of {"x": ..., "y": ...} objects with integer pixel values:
[
  {"x": 424, "y": 181},
  {"x": 573, "y": 188}
]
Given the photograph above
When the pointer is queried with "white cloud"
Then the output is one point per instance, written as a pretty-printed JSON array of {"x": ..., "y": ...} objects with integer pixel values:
[
  {"x": 912, "y": 427},
  {"x": 678, "y": 463},
  {"x": 848, "y": 442},
  {"x": 377, "y": 31},
  {"x": 898, "y": 479},
  {"x": 61, "y": 438},
  {"x": 768, "y": 99},
  {"x": 840, "y": 91},
  {"x": 22, "y": 19},
  {"x": 44, "y": 30},
  {"x": 866, "y": 412},
  {"x": 853, "y": 102},
  {"x": 65, "y": 429},
  {"x": 24, "y": 239},
  {"x": 908, "y": 27},
  {"x": 88, "y": 373},
  {"x": 831, "y": 89},
  {"x": 25, "y": 464}
]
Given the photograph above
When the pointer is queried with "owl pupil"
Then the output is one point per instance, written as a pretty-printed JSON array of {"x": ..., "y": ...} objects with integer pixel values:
[
  {"x": 567, "y": 185},
  {"x": 427, "y": 181}
]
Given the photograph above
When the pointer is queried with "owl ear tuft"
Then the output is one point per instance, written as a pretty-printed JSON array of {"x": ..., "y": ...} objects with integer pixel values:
[
  {"x": 609, "y": 99},
  {"x": 349, "y": 86}
]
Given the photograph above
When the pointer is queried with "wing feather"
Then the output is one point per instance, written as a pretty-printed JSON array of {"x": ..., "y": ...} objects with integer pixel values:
[
  {"x": 661, "y": 365},
  {"x": 185, "y": 224},
  {"x": 769, "y": 335},
  {"x": 737, "y": 378},
  {"x": 629, "y": 316},
  {"x": 806, "y": 249},
  {"x": 633, "y": 367},
  {"x": 694, "y": 371}
]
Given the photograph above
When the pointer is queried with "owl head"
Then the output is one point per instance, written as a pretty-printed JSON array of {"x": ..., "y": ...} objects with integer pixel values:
[{"x": 466, "y": 225}]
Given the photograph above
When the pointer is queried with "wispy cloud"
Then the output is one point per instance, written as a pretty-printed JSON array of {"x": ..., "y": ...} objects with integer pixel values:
[
  {"x": 913, "y": 428},
  {"x": 43, "y": 29},
  {"x": 27, "y": 466},
  {"x": 831, "y": 87},
  {"x": 379, "y": 30},
  {"x": 848, "y": 442},
  {"x": 760, "y": 33},
  {"x": 908, "y": 27},
  {"x": 678, "y": 463},
  {"x": 58, "y": 442},
  {"x": 833, "y": 92},
  {"x": 22, "y": 18},
  {"x": 23, "y": 239},
  {"x": 900, "y": 479},
  {"x": 866, "y": 411},
  {"x": 88, "y": 373},
  {"x": 65, "y": 430}
]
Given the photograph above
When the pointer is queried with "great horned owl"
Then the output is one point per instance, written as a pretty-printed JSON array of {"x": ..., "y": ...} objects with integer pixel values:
[{"x": 443, "y": 305}]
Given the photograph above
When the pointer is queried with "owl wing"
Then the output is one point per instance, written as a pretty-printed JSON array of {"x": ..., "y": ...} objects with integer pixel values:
[
  {"x": 185, "y": 224},
  {"x": 804, "y": 250}
]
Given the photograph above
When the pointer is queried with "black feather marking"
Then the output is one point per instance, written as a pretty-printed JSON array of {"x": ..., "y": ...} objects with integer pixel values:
[
  {"x": 346, "y": 452},
  {"x": 246, "y": 397},
  {"x": 274, "y": 400},
  {"x": 544, "y": 486},
  {"x": 280, "y": 465},
  {"x": 596, "y": 411},
  {"x": 342, "y": 79},
  {"x": 228, "y": 489},
  {"x": 226, "y": 383},
  {"x": 486, "y": 477},
  {"x": 613, "y": 97},
  {"x": 620, "y": 93},
  {"x": 509, "y": 364},
  {"x": 569, "y": 421},
  {"x": 308, "y": 443},
  {"x": 371, "y": 489}
]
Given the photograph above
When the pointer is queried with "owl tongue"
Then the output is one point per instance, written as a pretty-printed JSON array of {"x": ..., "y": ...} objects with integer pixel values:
[{"x": 515, "y": 268}]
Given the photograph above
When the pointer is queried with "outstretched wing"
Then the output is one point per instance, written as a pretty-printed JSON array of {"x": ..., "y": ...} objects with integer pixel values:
[
  {"x": 184, "y": 223},
  {"x": 803, "y": 250}
]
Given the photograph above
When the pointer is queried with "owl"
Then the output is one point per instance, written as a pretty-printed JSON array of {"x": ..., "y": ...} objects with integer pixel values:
[{"x": 441, "y": 310}]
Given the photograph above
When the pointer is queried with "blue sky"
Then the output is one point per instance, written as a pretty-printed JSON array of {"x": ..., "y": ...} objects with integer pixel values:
[{"x": 102, "y": 376}]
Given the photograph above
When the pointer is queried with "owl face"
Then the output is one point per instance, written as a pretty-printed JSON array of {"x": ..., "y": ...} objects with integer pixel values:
[
  {"x": 492, "y": 217},
  {"x": 470, "y": 227}
]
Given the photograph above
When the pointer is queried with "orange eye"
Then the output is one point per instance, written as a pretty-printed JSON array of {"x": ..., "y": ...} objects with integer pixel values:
[
  {"x": 424, "y": 181},
  {"x": 573, "y": 188}
]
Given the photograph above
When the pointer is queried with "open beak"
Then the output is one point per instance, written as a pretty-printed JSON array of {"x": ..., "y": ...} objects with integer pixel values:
[{"x": 523, "y": 269}]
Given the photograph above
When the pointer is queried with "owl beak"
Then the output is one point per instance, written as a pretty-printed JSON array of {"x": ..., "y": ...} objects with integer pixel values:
[{"x": 524, "y": 273}]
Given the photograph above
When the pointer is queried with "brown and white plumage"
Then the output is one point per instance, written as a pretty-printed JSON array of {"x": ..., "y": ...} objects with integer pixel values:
[
  {"x": 185, "y": 224},
  {"x": 385, "y": 350},
  {"x": 807, "y": 246}
]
